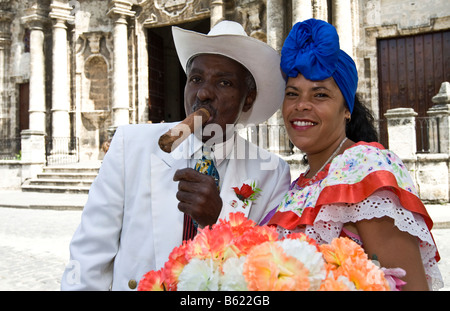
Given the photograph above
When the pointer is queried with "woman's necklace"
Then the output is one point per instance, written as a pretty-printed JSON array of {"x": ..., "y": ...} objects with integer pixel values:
[{"x": 311, "y": 181}]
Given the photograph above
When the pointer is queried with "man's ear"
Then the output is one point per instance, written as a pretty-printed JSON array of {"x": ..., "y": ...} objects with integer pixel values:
[{"x": 249, "y": 100}]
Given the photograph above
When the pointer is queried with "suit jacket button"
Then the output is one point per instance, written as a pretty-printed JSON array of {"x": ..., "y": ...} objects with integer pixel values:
[{"x": 132, "y": 284}]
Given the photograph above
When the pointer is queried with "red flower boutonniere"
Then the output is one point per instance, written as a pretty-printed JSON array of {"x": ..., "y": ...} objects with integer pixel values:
[{"x": 247, "y": 192}]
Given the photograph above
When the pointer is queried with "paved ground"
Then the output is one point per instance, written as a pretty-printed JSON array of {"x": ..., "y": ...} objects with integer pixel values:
[
  {"x": 442, "y": 239},
  {"x": 34, "y": 247},
  {"x": 34, "y": 238}
]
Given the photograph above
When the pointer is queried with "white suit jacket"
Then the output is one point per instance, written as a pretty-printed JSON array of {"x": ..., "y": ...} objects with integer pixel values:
[{"x": 131, "y": 221}]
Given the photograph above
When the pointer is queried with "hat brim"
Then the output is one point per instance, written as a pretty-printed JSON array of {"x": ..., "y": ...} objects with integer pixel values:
[{"x": 260, "y": 59}]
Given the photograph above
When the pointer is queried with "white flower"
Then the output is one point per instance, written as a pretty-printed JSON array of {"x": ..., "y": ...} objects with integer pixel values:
[
  {"x": 345, "y": 280},
  {"x": 233, "y": 278},
  {"x": 311, "y": 258},
  {"x": 199, "y": 275}
]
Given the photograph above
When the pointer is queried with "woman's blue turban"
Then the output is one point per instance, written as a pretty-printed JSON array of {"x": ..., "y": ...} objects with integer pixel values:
[{"x": 312, "y": 49}]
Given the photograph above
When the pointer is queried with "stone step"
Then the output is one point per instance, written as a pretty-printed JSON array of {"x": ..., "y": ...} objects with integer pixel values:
[
  {"x": 59, "y": 182},
  {"x": 72, "y": 170},
  {"x": 72, "y": 178},
  {"x": 55, "y": 189},
  {"x": 57, "y": 175}
]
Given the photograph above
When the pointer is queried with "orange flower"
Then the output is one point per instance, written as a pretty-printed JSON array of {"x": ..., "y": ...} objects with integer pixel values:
[
  {"x": 366, "y": 276},
  {"x": 174, "y": 266},
  {"x": 348, "y": 259},
  {"x": 262, "y": 262},
  {"x": 152, "y": 281},
  {"x": 210, "y": 243},
  {"x": 339, "y": 284},
  {"x": 340, "y": 250},
  {"x": 268, "y": 268},
  {"x": 239, "y": 223},
  {"x": 255, "y": 236}
]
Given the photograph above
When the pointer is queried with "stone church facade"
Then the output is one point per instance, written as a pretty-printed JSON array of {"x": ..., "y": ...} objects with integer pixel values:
[{"x": 72, "y": 71}]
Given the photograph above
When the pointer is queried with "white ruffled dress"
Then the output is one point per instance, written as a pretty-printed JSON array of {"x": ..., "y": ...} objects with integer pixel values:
[{"x": 365, "y": 182}]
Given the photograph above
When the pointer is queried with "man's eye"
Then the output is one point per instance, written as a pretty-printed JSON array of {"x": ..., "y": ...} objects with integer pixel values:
[
  {"x": 225, "y": 83},
  {"x": 194, "y": 79}
]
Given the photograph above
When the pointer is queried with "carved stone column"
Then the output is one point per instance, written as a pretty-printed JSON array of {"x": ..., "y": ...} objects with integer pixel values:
[
  {"x": 119, "y": 11},
  {"x": 5, "y": 49},
  {"x": 342, "y": 20},
  {"x": 441, "y": 111},
  {"x": 60, "y": 13},
  {"x": 301, "y": 10},
  {"x": 275, "y": 24},
  {"x": 35, "y": 21},
  {"x": 217, "y": 11},
  {"x": 33, "y": 139},
  {"x": 275, "y": 38}
]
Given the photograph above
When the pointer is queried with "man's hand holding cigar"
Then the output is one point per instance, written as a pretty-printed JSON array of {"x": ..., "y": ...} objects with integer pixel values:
[{"x": 215, "y": 93}]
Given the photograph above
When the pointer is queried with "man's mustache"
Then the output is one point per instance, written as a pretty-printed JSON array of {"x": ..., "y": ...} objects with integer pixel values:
[{"x": 198, "y": 104}]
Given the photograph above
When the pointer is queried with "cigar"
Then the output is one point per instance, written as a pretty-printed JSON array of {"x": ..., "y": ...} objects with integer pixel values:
[{"x": 176, "y": 135}]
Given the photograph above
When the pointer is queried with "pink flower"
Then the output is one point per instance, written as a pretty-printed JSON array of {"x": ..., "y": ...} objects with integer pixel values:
[{"x": 393, "y": 276}]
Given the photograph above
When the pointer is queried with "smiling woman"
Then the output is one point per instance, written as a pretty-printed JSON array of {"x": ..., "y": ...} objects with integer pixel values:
[
  {"x": 354, "y": 187},
  {"x": 315, "y": 118}
]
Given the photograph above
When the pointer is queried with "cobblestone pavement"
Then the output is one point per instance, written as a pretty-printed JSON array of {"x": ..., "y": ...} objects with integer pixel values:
[{"x": 34, "y": 248}]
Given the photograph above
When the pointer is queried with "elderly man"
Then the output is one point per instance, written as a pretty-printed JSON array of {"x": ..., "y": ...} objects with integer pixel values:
[{"x": 144, "y": 201}]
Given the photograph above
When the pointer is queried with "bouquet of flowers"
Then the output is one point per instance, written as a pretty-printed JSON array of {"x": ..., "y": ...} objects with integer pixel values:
[{"x": 236, "y": 254}]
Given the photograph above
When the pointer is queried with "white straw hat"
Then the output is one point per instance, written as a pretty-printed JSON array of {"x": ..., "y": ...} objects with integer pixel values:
[{"x": 229, "y": 39}]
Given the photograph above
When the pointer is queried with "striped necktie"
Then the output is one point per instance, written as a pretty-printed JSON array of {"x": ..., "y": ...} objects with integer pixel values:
[{"x": 206, "y": 166}]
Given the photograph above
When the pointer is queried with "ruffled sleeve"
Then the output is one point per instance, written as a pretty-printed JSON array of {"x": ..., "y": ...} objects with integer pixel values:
[
  {"x": 365, "y": 182},
  {"x": 383, "y": 203},
  {"x": 352, "y": 177},
  {"x": 366, "y": 168},
  {"x": 331, "y": 219}
]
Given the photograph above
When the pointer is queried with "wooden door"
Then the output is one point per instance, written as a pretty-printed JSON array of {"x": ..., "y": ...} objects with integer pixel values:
[
  {"x": 24, "y": 106},
  {"x": 156, "y": 77},
  {"x": 410, "y": 72}
]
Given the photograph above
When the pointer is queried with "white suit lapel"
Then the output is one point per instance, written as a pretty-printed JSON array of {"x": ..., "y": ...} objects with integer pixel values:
[
  {"x": 167, "y": 219},
  {"x": 235, "y": 176}
]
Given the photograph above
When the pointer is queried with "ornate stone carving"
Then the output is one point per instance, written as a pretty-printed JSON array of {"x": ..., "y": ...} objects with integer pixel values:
[
  {"x": 95, "y": 42},
  {"x": 252, "y": 17},
  {"x": 169, "y": 12},
  {"x": 172, "y": 8}
]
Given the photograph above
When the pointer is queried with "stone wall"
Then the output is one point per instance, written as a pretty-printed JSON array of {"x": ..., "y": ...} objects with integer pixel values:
[
  {"x": 380, "y": 19},
  {"x": 430, "y": 171},
  {"x": 11, "y": 172},
  {"x": 86, "y": 61}
]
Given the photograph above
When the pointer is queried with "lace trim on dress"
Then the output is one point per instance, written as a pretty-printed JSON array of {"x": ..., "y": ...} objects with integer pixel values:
[{"x": 331, "y": 219}]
